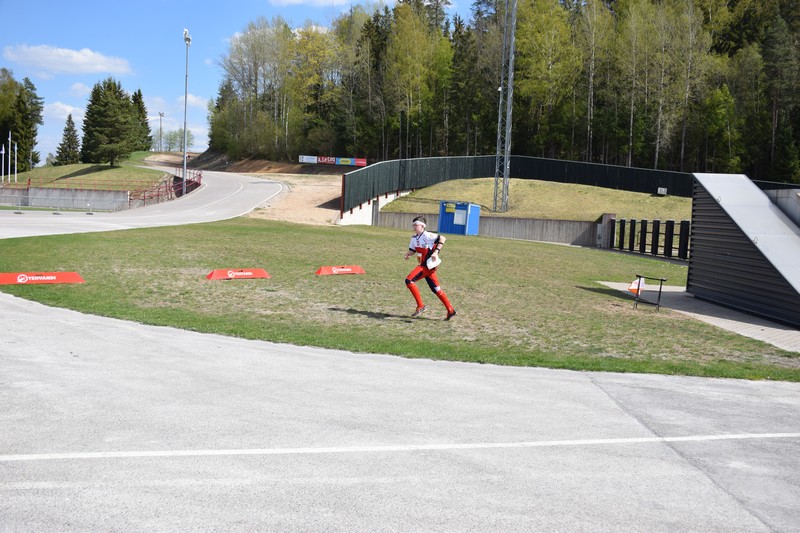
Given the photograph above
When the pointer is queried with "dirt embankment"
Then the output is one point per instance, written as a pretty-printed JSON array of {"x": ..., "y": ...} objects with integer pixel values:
[{"x": 310, "y": 196}]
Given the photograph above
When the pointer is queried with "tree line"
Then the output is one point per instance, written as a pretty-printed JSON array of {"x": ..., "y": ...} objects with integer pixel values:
[
  {"x": 115, "y": 124},
  {"x": 20, "y": 115},
  {"x": 688, "y": 85}
]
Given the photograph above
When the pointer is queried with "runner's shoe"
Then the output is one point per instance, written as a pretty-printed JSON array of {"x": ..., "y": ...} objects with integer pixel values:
[
  {"x": 451, "y": 314},
  {"x": 419, "y": 311}
]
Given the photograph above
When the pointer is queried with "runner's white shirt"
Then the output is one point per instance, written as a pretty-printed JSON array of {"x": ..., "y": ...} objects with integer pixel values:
[{"x": 422, "y": 243}]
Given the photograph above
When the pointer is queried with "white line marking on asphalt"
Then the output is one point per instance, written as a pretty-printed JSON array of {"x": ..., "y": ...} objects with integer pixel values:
[{"x": 388, "y": 448}]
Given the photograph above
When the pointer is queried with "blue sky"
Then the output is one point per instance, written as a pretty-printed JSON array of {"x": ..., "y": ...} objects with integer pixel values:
[{"x": 66, "y": 47}]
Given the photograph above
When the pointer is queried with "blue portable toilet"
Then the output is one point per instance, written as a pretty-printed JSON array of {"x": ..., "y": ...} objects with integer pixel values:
[{"x": 460, "y": 218}]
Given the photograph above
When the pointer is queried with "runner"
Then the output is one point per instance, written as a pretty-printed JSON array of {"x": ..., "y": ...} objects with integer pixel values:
[{"x": 426, "y": 246}]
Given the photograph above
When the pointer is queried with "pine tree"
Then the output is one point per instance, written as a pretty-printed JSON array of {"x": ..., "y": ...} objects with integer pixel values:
[
  {"x": 68, "y": 152},
  {"x": 23, "y": 133},
  {"x": 20, "y": 114},
  {"x": 144, "y": 137},
  {"x": 110, "y": 125}
]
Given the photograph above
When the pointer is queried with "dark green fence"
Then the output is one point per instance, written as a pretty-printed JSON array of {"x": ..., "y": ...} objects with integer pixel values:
[{"x": 362, "y": 185}]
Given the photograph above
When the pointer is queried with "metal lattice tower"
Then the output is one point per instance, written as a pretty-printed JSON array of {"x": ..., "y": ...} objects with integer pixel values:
[{"x": 506, "y": 90}]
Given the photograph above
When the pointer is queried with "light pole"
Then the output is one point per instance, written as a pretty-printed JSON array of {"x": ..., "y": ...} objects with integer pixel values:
[
  {"x": 188, "y": 41},
  {"x": 3, "y": 164},
  {"x": 160, "y": 145}
]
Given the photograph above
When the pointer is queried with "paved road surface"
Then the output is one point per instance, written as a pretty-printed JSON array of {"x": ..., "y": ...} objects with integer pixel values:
[
  {"x": 107, "y": 425},
  {"x": 223, "y": 195}
]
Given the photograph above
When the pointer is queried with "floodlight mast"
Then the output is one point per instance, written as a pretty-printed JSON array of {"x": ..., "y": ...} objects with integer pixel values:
[
  {"x": 160, "y": 130},
  {"x": 505, "y": 107},
  {"x": 188, "y": 40}
]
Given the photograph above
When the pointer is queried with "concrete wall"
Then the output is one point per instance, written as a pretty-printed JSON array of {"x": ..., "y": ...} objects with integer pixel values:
[
  {"x": 81, "y": 199},
  {"x": 369, "y": 213},
  {"x": 528, "y": 229}
]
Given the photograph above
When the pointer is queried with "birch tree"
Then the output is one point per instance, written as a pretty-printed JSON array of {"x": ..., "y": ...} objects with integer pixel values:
[
  {"x": 692, "y": 46},
  {"x": 634, "y": 30},
  {"x": 407, "y": 56},
  {"x": 548, "y": 64},
  {"x": 595, "y": 30}
]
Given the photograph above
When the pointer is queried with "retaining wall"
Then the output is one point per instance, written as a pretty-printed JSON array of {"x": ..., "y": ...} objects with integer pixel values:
[
  {"x": 82, "y": 199},
  {"x": 529, "y": 229}
]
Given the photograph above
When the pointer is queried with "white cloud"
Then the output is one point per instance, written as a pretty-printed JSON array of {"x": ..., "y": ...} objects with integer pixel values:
[
  {"x": 195, "y": 101},
  {"x": 59, "y": 111},
  {"x": 155, "y": 105},
  {"x": 65, "y": 61},
  {"x": 80, "y": 90}
]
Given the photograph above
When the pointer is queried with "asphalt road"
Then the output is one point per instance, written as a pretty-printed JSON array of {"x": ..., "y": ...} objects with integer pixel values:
[
  {"x": 222, "y": 195},
  {"x": 107, "y": 425}
]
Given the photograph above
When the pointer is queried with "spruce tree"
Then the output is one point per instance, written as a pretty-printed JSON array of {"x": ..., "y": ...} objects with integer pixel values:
[
  {"x": 8, "y": 96},
  {"x": 23, "y": 133},
  {"x": 21, "y": 114},
  {"x": 144, "y": 139},
  {"x": 68, "y": 152},
  {"x": 110, "y": 125}
]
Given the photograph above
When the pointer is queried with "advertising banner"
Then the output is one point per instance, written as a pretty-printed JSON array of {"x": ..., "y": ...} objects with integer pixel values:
[
  {"x": 238, "y": 273},
  {"x": 329, "y": 160},
  {"x": 33, "y": 278},
  {"x": 347, "y": 269}
]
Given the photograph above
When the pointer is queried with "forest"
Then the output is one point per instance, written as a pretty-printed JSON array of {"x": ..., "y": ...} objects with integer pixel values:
[{"x": 685, "y": 85}]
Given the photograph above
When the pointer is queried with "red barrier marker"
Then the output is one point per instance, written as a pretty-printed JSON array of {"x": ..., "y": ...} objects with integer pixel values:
[
  {"x": 347, "y": 269},
  {"x": 32, "y": 278},
  {"x": 238, "y": 273}
]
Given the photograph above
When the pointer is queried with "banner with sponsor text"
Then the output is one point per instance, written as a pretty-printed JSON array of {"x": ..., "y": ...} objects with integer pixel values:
[
  {"x": 238, "y": 273},
  {"x": 330, "y": 160},
  {"x": 33, "y": 278},
  {"x": 344, "y": 269}
]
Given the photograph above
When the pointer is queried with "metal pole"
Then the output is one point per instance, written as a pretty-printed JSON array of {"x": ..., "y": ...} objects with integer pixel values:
[
  {"x": 509, "y": 105},
  {"x": 15, "y": 162},
  {"x": 499, "y": 164},
  {"x": 160, "y": 144},
  {"x": 504, "y": 111},
  {"x": 3, "y": 164},
  {"x": 188, "y": 41}
]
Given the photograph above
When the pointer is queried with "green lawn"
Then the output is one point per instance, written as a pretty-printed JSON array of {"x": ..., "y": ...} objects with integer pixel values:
[
  {"x": 127, "y": 177},
  {"x": 519, "y": 303},
  {"x": 549, "y": 200}
]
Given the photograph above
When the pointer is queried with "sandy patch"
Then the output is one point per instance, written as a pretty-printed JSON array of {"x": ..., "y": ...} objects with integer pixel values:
[
  {"x": 306, "y": 199},
  {"x": 311, "y": 194}
]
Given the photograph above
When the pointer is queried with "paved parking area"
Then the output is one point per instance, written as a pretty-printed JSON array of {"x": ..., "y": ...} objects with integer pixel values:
[
  {"x": 111, "y": 425},
  {"x": 107, "y": 425}
]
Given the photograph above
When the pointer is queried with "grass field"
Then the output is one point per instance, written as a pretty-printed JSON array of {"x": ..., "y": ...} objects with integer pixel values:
[
  {"x": 549, "y": 200},
  {"x": 519, "y": 303},
  {"x": 127, "y": 177}
]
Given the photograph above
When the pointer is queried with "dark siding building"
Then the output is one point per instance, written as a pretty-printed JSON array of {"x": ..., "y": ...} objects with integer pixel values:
[{"x": 745, "y": 252}]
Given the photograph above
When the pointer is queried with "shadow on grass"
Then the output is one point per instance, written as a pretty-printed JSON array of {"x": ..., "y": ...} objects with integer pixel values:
[
  {"x": 370, "y": 314},
  {"x": 86, "y": 171},
  {"x": 605, "y": 291}
]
